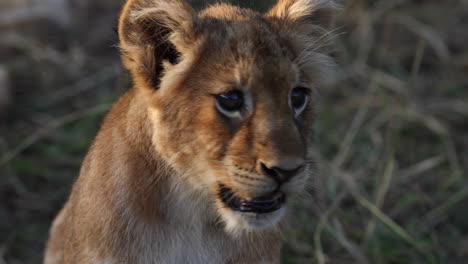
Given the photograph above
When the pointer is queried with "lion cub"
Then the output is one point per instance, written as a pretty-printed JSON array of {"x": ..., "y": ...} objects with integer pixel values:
[{"x": 198, "y": 161}]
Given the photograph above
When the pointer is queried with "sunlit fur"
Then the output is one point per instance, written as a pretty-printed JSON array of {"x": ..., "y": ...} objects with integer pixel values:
[{"x": 148, "y": 190}]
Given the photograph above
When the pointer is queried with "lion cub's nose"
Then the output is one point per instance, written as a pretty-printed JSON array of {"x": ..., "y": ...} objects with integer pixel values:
[{"x": 282, "y": 172}]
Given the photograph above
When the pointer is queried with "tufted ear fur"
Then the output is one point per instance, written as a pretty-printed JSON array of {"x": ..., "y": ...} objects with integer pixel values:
[
  {"x": 316, "y": 12},
  {"x": 152, "y": 33},
  {"x": 307, "y": 24}
]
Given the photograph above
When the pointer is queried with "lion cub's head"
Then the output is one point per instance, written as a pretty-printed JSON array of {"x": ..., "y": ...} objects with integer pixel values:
[{"x": 231, "y": 95}]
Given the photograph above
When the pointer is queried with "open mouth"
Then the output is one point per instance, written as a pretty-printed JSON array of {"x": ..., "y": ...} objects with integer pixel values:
[{"x": 260, "y": 205}]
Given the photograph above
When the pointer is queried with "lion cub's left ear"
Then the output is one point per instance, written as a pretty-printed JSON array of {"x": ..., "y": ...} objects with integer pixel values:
[{"x": 312, "y": 12}]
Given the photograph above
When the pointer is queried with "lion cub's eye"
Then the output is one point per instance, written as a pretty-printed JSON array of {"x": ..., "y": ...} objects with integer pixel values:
[
  {"x": 298, "y": 99},
  {"x": 230, "y": 102}
]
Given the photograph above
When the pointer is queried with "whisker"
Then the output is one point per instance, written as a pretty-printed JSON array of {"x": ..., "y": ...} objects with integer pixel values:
[
  {"x": 315, "y": 42},
  {"x": 221, "y": 171},
  {"x": 305, "y": 55}
]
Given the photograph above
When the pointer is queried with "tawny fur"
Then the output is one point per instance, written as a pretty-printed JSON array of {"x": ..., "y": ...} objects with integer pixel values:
[{"x": 148, "y": 189}]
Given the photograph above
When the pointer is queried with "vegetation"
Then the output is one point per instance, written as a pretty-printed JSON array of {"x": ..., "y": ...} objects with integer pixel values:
[{"x": 391, "y": 133}]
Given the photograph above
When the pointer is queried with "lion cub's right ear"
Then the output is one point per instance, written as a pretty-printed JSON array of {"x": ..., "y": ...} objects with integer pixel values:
[{"x": 151, "y": 32}]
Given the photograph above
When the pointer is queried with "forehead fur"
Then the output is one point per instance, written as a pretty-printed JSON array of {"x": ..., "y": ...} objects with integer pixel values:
[
  {"x": 245, "y": 37},
  {"x": 153, "y": 32},
  {"x": 298, "y": 30},
  {"x": 272, "y": 43}
]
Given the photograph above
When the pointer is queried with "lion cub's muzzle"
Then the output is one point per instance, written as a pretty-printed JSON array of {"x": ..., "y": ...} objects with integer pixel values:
[{"x": 264, "y": 204}]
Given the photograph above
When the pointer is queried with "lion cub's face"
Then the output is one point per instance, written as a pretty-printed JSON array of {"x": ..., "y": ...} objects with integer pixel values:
[{"x": 231, "y": 96}]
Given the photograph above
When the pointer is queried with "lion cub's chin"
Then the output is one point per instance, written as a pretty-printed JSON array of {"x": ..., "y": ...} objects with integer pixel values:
[{"x": 240, "y": 222}]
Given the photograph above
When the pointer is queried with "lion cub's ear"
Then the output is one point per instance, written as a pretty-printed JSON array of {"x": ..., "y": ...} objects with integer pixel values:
[
  {"x": 152, "y": 32},
  {"x": 312, "y": 12},
  {"x": 307, "y": 24}
]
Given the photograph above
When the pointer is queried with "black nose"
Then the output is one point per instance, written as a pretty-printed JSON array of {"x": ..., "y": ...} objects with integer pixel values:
[{"x": 281, "y": 175}]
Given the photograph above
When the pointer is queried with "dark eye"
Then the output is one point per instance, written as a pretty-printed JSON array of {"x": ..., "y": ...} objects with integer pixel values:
[
  {"x": 230, "y": 101},
  {"x": 299, "y": 99}
]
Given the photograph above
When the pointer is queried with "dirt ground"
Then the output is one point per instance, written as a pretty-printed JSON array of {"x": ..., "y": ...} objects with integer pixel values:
[{"x": 391, "y": 133}]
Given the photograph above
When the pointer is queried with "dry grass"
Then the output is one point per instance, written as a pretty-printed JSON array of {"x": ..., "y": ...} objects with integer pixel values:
[{"x": 392, "y": 133}]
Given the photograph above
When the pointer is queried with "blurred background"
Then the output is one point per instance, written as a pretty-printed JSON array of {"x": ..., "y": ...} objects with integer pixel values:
[{"x": 391, "y": 133}]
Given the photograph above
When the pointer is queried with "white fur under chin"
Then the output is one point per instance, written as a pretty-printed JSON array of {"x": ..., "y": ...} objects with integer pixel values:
[{"x": 237, "y": 223}]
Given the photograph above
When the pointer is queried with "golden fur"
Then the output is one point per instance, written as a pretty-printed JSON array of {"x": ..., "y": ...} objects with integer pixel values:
[{"x": 148, "y": 189}]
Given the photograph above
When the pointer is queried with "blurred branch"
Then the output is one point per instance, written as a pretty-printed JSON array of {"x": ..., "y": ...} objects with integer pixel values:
[
  {"x": 421, "y": 167},
  {"x": 380, "y": 197},
  {"x": 319, "y": 254},
  {"x": 55, "y": 124},
  {"x": 354, "y": 250},
  {"x": 2, "y": 254},
  {"x": 434, "y": 216},
  {"x": 14, "y": 12},
  {"x": 427, "y": 33},
  {"x": 419, "y": 54},
  {"x": 392, "y": 225},
  {"x": 38, "y": 52},
  {"x": 449, "y": 106},
  {"x": 437, "y": 127},
  {"x": 81, "y": 86},
  {"x": 356, "y": 124},
  {"x": 5, "y": 93},
  {"x": 382, "y": 7}
]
